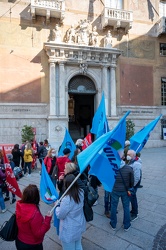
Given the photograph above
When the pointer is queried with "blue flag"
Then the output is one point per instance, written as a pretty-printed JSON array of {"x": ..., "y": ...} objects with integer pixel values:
[
  {"x": 138, "y": 141},
  {"x": 67, "y": 143},
  {"x": 100, "y": 123},
  {"x": 104, "y": 155},
  {"x": 48, "y": 192},
  {"x": 47, "y": 189}
]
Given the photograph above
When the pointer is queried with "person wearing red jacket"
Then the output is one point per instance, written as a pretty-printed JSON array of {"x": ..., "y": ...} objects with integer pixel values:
[
  {"x": 32, "y": 226},
  {"x": 61, "y": 160}
]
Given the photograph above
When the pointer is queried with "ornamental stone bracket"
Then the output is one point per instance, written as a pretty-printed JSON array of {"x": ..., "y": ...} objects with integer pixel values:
[{"x": 82, "y": 55}]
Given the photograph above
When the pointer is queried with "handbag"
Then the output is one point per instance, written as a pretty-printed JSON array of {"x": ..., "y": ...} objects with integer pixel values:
[
  {"x": 55, "y": 172},
  {"x": 130, "y": 191},
  {"x": 9, "y": 229},
  {"x": 92, "y": 196},
  {"x": 88, "y": 211}
]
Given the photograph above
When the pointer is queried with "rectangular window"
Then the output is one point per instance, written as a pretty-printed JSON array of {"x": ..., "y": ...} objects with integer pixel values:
[
  {"x": 163, "y": 91},
  {"x": 162, "y": 49}
]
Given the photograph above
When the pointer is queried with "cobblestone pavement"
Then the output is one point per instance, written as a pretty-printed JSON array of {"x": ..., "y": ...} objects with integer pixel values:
[{"x": 147, "y": 232}]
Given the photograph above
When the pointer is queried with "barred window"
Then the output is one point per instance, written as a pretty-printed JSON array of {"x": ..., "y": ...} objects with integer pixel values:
[
  {"x": 162, "y": 49},
  {"x": 163, "y": 91}
]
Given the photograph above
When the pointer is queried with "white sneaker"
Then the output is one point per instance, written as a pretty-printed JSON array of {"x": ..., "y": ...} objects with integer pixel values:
[
  {"x": 3, "y": 210},
  {"x": 96, "y": 202},
  {"x": 29, "y": 175}
]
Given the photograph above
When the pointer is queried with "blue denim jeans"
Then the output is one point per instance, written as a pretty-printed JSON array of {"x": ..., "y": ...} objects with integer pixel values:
[
  {"x": 107, "y": 201},
  {"x": 27, "y": 164},
  {"x": 74, "y": 245},
  {"x": 114, "y": 204},
  {"x": 2, "y": 203},
  {"x": 134, "y": 203}
]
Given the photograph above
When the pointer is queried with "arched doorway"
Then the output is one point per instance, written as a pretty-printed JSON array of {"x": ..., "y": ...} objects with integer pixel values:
[{"x": 81, "y": 105}]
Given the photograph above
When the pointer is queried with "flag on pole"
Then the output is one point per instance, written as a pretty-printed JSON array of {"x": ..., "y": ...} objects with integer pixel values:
[
  {"x": 100, "y": 123},
  {"x": 138, "y": 141},
  {"x": 104, "y": 155},
  {"x": 48, "y": 192},
  {"x": 67, "y": 143},
  {"x": 11, "y": 181},
  {"x": 47, "y": 189},
  {"x": 87, "y": 141}
]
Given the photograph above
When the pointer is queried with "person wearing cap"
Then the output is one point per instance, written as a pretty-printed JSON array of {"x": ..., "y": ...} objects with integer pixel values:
[
  {"x": 79, "y": 144},
  {"x": 126, "y": 148},
  {"x": 61, "y": 161}
]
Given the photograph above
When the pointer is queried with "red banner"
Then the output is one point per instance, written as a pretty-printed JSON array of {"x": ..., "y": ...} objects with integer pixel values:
[
  {"x": 87, "y": 141},
  {"x": 8, "y": 147},
  {"x": 11, "y": 181}
]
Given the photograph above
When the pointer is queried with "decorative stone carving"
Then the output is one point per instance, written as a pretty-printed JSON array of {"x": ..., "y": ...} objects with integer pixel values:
[
  {"x": 58, "y": 128},
  {"x": 93, "y": 38},
  {"x": 108, "y": 40},
  {"x": 71, "y": 35},
  {"x": 83, "y": 32},
  {"x": 83, "y": 68},
  {"x": 56, "y": 34}
]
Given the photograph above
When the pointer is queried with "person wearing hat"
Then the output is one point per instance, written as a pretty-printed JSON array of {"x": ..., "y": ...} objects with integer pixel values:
[
  {"x": 126, "y": 148},
  {"x": 61, "y": 161}
]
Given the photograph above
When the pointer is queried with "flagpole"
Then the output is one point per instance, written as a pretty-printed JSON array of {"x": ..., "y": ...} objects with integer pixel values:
[{"x": 58, "y": 201}]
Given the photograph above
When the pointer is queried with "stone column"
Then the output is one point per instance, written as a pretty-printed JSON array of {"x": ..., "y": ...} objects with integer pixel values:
[
  {"x": 63, "y": 96},
  {"x": 52, "y": 75},
  {"x": 105, "y": 88},
  {"x": 113, "y": 90}
]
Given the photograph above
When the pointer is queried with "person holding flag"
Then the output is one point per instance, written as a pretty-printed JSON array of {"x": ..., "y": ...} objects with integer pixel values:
[
  {"x": 11, "y": 181},
  {"x": 71, "y": 215}
]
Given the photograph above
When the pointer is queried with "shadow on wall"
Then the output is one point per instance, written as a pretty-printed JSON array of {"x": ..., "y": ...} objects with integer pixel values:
[{"x": 27, "y": 93}]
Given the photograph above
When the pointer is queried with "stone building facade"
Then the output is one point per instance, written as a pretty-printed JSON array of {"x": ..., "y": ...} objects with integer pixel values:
[{"x": 57, "y": 57}]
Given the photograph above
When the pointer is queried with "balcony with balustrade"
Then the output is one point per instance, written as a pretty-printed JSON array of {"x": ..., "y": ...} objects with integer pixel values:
[
  {"x": 161, "y": 26},
  {"x": 48, "y": 9},
  {"x": 117, "y": 18}
]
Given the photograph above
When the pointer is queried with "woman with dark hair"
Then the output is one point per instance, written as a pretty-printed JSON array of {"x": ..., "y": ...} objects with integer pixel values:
[
  {"x": 71, "y": 215},
  {"x": 32, "y": 226},
  {"x": 17, "y": 154}
]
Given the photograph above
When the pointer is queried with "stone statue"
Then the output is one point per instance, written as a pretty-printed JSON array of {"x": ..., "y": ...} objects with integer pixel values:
[
  {"x": 71, "y": 35},
  {"x": 83, "y": 33},
  {"x": 93, "y": 39},
  {"x": 57, "y": 34},
  {"x": 108, "y": 40}
]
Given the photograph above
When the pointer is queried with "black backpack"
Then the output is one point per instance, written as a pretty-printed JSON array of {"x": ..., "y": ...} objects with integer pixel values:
[{"x": 44, "y": 152}]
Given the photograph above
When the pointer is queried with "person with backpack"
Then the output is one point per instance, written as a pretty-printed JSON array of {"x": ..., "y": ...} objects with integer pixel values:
[{"x": 71, "y": 215}]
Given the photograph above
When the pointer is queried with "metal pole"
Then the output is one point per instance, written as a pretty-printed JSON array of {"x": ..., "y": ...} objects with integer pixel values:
[{"x": 57, "y": 202}]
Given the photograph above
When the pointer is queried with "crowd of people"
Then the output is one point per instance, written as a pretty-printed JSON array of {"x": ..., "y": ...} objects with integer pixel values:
[{"x": 32, "y": 226}]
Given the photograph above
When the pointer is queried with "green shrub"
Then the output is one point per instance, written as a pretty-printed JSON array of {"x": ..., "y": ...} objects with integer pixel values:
[
  {"x": 27, "y": 133},
  {"x": 129, "y": 129}
]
